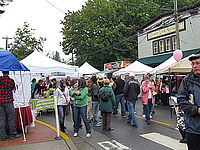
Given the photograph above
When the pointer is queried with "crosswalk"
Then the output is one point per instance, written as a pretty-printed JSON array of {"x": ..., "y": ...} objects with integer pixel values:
[
  {"x": 154, "y": 137},
  {"x": 165, "y": 141},
  {"x": 109, "y": 145}
]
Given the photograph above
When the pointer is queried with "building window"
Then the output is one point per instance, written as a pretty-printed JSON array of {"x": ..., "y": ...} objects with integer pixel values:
[
  {"x": 167, "y": 45},
  {"x": 164, "y": 45},
  {"x": 161, "y": 46},
  {"x": 155, "y": 47},
  {"x": 173, "y": 43}
]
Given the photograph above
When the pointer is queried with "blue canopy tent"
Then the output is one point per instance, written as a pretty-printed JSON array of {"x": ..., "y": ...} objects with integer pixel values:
[{"x": 8, "y": 62}]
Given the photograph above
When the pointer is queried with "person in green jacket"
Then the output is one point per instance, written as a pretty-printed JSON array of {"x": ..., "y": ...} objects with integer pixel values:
[
  {"x": 107, "y": 103},
  {"x": 80, "y": 107}
]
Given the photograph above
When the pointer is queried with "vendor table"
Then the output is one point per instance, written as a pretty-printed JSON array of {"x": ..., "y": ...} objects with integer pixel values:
[
  {"x": 42, "y": 104},
  {"x": 26, "y": 117}
]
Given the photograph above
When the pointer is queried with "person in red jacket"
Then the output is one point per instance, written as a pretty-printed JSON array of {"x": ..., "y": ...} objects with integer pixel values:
[{"x": 147, "y": 97}]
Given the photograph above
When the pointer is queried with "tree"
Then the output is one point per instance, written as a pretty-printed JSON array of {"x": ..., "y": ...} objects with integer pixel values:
[
  {"x": 25, "y": 43},
  {"x": 105, "y": 31},
  {"x": 57, "y": 56}
]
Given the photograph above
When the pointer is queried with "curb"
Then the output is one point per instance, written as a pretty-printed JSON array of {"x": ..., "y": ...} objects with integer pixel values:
[{"x": 68, "y": 141}]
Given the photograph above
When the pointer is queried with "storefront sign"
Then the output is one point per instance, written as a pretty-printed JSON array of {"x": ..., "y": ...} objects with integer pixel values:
[{"x": 165, "y": 31}]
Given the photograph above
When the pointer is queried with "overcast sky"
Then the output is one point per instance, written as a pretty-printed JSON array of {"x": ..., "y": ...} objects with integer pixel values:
[{"x": 43, "y": 15}]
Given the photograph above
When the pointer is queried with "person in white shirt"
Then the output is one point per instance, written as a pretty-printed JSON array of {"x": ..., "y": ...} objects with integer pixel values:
[{"x": 62, "y": 94}]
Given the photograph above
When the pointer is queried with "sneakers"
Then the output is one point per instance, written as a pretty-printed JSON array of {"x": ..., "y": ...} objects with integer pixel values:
[
  {"x": 16, "y": 136},
  {"x": 88, "y": 135},
  {"x": 114, "y": 116},
  {"x": 124, "y": 116},
  {"x": 151, "y": 117},
  {"x": 128, "y": 122},
  {"x": 143, "y": 116},
  {"x": 134, "y": 125},
  {"x": 183, "y": 141},
  {"x": 75, "y": 134},
  {"x": 97, "y": 125},
  {"x": 109, "y": 129}
]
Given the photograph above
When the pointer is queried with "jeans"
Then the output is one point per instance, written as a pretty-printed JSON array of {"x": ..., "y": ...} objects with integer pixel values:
[
  {"x": 80, "y": 124},
  {"x": 131, "y": 110},
  {"x": 95, "y": 112},
  {"x": 152, "y": 107},
  {"x": 143, "y": 109},
  {"x": 120, "y": 98},
  {"x": 81, "y": 111},
  {"x": 147, "y": 109},
  {"x": 7, "y": 109},
  {"x": 61, "y": 113}
]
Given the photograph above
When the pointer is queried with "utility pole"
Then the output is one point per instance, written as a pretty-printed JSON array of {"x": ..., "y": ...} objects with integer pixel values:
[
  {"x": 7, "y": 38},
  {"x": 176, "y": 24},
  {"x": 72, "y": 58}
]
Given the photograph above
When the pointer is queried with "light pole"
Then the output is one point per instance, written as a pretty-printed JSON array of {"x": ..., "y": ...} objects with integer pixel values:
[
  {"x": 176, "y": 24},
  {"x": 6, "y": 38}
]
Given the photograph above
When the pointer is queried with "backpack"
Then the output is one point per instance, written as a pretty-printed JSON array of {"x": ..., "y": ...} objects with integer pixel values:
[{"x": 104, "y": 96}]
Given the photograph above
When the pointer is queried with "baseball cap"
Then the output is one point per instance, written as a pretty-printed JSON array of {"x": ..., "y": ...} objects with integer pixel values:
[{"x": 195, "y": 56}]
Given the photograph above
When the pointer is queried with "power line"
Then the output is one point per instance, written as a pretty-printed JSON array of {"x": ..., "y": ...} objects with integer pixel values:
[
  {"x": 55, "y": 7},
  {"x": 136, "y": 5},
  {"x": 112, "y": 46}
]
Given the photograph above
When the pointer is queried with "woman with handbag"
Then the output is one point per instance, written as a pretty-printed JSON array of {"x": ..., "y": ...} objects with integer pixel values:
[{"x": 62, "y": 94}]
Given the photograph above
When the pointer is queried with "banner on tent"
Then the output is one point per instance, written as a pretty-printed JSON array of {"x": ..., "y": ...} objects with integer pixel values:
[{"x": 116, "y": 65}]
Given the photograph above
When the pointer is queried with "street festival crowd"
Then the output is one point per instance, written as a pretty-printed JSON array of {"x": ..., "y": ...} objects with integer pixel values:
[{"x": 86, "y": 97}]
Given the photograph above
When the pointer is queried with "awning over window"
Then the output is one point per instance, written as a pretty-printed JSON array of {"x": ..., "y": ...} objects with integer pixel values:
[{"x": 156, "y": 60}]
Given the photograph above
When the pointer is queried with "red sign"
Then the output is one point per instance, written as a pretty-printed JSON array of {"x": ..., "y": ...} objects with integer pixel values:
[{"x": 116, "y": 65}]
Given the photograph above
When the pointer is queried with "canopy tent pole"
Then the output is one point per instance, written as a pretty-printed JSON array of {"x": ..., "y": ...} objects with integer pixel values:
[
  {"x": 57, "y": 119},
  {"x": 20, "y": 115}
]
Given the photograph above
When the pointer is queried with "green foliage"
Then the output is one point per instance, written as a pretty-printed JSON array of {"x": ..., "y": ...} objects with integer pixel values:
[
  {"x": 103, "y": 31},
  {"x": 57, "y": 56},
  {"x": 25, "y": 43}
]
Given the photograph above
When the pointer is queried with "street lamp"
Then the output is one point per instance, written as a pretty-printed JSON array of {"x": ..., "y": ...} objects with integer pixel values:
[{"x": 6, "y": 38}]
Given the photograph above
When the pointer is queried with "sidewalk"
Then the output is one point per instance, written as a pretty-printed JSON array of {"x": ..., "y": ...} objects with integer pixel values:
[{"x": 39, "y": 137}]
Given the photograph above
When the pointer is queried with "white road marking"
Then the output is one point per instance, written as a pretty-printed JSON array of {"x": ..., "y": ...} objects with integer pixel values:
[
  {"x": 108, "y": 145},
  {"x": 165, "y": 141}
]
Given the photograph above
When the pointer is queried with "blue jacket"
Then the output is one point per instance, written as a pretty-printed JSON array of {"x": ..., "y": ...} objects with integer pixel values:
[{"x": 189, "y": 101}]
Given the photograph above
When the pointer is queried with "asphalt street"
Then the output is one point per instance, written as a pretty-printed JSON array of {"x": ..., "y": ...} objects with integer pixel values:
[{"x": 159, "y": 135}]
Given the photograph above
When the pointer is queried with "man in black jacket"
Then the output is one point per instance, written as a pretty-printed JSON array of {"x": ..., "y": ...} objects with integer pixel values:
[
  {"x": 131, "y": 92},
  {"x": 119, "y": 96},
  {"x": 189, "y": 101},
  {"x": 95, "y": 101}
]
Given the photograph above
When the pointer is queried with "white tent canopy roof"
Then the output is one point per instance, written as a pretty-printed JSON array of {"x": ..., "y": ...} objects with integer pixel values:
[
  {"x": 136, "y": 68},
  {"x": 183, "y": 66},
  {"x": 166, "y": 63},
  {"x": 86, "y": 68},
  {"x": 39, "y": 63}
]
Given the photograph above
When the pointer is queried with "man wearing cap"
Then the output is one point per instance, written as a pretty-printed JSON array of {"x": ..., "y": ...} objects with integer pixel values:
[
  {"x": 189, "y": 101},
  {"x": 7, "y": 85},
  {"x": 131, "y": 92}
]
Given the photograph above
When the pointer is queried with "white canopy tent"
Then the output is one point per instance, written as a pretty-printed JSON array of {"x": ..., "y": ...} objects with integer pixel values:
[
  {"x": 136, "y": 68},
  {"x": 183, "y": 66},
  {"x": 39, "y": 63},
  {"x": 166, "y": 63},
  {"x": 86, "y": 68}
]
